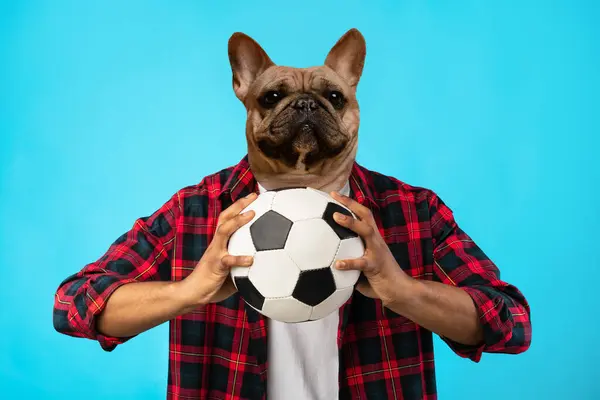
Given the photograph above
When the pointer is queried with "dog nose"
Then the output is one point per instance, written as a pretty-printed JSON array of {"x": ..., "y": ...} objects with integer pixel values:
[{"x": 305, "y": 103}]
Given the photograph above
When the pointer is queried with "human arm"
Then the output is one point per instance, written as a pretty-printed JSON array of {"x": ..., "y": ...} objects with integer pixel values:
[
  {"x": 461, "y": 265},
  {"x": 139, "y": 255},
  {"x": 440, "y": 308},
  {"x": 128, "y": 290},
  {"x": 467, "y": 304}
]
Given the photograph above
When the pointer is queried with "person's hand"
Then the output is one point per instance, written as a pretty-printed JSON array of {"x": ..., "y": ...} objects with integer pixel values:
[
  {"x": 210, "y": 281},
  {"x": 384, "y": 277}
]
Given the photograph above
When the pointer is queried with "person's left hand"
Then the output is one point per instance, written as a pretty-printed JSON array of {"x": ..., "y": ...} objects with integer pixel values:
[{"x": 384, "y": 277}]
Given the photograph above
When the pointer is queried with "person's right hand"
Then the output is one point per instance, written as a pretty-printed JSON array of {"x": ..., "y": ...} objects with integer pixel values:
[{"x": 210, "y": 281}]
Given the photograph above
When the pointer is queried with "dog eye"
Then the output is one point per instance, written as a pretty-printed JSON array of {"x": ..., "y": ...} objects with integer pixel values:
[
  {"x": 336, "y": 99},
  {"x": 271, "y": 98}
]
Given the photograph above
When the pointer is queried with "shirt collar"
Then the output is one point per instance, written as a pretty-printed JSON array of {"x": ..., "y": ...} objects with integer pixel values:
[
  {"x": 361, "y": 186},
  {"x": 241, "y": 182}
]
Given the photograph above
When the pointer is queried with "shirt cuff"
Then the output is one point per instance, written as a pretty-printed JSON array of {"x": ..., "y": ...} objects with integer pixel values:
[
  {"x": 472, "y": 352},
  {"x": 96, "y": 304}
]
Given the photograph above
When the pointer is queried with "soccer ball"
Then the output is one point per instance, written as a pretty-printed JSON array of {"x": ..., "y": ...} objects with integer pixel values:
[{"x": 295, "y": 243}]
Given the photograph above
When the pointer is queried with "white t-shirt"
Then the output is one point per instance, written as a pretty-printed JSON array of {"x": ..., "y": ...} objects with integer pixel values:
[{"x": 303, "y": 358}]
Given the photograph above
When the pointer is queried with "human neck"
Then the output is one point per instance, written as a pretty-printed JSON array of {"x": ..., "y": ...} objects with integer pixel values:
[
  {"x": 330, "y": 175},
  {"x": 323, "y": 183}
]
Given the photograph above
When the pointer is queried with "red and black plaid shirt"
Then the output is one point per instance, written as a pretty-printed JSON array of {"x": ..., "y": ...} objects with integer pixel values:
[{"x": 219, "y": 351}]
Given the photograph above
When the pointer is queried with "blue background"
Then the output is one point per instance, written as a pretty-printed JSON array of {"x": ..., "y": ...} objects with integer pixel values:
[{"x": 107, "y": 108}]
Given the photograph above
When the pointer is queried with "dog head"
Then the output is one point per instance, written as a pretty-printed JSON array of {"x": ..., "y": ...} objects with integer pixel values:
[{"x": 302, "y": 123}]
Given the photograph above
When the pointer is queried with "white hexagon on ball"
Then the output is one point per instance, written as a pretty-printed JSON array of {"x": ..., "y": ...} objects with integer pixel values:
[
  {"x": 299, "y": 204},
  {"x": 239, "y": 271},
  {"x": 286, "y": 310},
  {"x": 323, "y": 194},
  {"x": 330, "y": 199},
  {"x": 273, "y": 273},
  {"x": 331, "y": 304},
  {"x": 312, "y": 244},
  {"x": 240, "y": 243},
  {"x": 349, "y": 249}
]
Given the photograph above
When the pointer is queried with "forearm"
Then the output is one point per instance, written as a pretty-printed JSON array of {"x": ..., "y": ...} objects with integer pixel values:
[
  {"x": 443, "y": 309},
  {"x": 136, "y": 307}
]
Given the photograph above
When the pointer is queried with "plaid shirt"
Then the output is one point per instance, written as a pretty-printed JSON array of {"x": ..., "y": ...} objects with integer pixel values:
[{"x": 219, "y": 351}]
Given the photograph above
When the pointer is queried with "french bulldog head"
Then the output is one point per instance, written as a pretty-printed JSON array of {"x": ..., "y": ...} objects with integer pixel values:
[{"x": 302, "y": 123}]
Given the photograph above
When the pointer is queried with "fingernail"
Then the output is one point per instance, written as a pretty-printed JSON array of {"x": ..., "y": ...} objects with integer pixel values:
[
  {"x": 340, "y": 264},
  {"x": 339, "y": 216},
  {"x": 247, "y": 260}
]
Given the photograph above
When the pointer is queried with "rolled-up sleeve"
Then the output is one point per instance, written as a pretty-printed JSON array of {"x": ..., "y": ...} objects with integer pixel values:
[
  {"x": 141, "y": 254},
  {"x": 503, "y": 310}
]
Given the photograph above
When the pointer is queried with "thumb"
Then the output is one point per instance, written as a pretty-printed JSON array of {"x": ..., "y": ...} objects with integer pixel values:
[{"x": 364, "y": 288}]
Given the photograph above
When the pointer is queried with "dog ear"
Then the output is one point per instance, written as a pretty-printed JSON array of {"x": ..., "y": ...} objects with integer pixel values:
[
  {"x": 347, "y": 57},
  {"x": 248, "y": 60}
]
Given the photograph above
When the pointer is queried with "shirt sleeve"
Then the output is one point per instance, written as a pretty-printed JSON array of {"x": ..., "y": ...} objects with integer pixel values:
[
  {"x": 141, "y": 254},
  {"x": 503, "y": 310}
]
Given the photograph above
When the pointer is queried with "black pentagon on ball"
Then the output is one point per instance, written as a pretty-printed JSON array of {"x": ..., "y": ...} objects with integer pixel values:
[
  {"x": 249, "y": 292},
  {"x": 270, "y": 231},
  {"x": 342, "y": 232},
  {"x": 314, "y": 286}
]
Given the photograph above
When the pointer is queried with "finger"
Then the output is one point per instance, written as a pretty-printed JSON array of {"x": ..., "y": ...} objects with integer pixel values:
[
  {"x": 358, "y": 209},
  {"x": 236, "y": 208},
  {"x": 368, "y": 268},
  {"x": 225, "y": 230},
  {"x": 365, "y": 288},
  {"x": 228, "y": 261},
  {"x": 359, "y": 264},
  {"x": 361, "y": 228}
]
